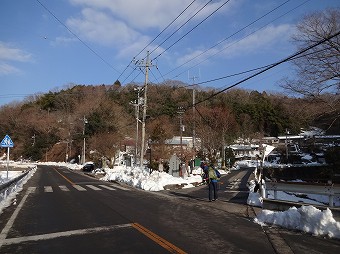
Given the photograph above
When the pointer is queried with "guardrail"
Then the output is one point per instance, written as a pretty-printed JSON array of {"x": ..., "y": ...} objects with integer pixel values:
[
  {"x": 329, "y": 190},
  {"x": 4, "y": 187}
]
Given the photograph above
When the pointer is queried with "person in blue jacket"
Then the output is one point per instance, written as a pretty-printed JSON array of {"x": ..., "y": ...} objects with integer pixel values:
[
  {"x": 205, "y": 169},
  {"x": 213, "y": 179}
]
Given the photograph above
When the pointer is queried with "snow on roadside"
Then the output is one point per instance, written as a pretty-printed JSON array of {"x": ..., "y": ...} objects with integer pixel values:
[
  {"x": 142, "y": 179},
  {"x": 7, "y": 197},
  {"x": 306, "y": 218},
  {"x": 11, "y": 175}
]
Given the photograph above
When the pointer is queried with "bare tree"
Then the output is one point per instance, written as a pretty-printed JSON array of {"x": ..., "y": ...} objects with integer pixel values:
[
  {"x": 217, "y": 124},
  {"x": 318, "y": 70}
]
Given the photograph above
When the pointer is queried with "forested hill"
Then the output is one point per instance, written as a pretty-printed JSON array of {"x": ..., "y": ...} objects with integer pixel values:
[{"x": 49, "y": 126}]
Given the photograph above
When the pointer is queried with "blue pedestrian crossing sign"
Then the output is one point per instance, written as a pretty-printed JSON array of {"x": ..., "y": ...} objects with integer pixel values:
[{"x": 7, "y": 142}]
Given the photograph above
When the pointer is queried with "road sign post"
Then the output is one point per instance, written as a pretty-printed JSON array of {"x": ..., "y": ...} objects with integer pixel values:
[{"x": 7, "y": 142}]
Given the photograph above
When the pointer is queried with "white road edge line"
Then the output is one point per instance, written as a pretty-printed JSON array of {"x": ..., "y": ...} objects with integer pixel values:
[
  {"x": 10, "y": 222},
  {"x": 63, "y": 234}
]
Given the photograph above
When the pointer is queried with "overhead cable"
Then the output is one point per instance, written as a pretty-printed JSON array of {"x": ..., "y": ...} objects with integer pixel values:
[
  {"x": 270, "y": 67},
  {"x": 224, "y": 48},
  {"x": 155, "y": 38},
  {"x": 180, "y": 27},
  {"x": 83, "y": 42},
  {"x": 165, "y": 29},
  {"x": 223, "y": 40},
  {"x": 192, "y": 29}
]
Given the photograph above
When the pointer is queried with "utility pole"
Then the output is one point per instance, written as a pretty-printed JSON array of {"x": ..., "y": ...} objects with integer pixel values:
[
  {"x": 193, "y": 111},
  {"x": 147, "y": 65},
  {"x": 181, "y": 112},
  {"x": 84, "y": 145},
  {"x": 136, "y": 104}
]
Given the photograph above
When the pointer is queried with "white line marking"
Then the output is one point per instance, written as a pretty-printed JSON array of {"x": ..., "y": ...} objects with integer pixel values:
[
  {"x": 48, "y": 189},
  {"x": 93, "y": 187},
  {"x": 107, "y": 187},
  {"x": 10, "y": 222},
  {"x": 78, "y": 187},
  {"x": 63, "y": 234},
  {"x": 63, "y": 188}
]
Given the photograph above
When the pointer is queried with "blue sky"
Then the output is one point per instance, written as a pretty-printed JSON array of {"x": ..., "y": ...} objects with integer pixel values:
[{"x": 46, "y": 45}]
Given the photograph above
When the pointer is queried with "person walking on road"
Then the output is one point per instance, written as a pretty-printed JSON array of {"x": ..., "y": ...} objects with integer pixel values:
[{"x": 214, "y": 176}]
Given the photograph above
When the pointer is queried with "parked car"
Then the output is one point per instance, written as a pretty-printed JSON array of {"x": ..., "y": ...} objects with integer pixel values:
[{"x": 88, "y": 167}]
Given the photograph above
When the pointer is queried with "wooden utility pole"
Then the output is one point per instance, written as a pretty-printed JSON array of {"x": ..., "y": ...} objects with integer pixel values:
[
  {"x": 137, "y": 104},
  {"x": 84, "y": 141},
  {"x": 147, "y": 65},
  {"x": 180, "y": 112},
  {"x": 193, "y": 111}
]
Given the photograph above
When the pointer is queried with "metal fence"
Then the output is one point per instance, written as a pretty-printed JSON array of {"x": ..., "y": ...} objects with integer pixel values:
[{"x": 330, "y": 190}]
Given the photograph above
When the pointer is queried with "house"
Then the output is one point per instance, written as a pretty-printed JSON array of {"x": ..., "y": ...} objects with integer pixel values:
[
  {"x": 245, "y": 151},
  {"x": 186, "y": 143}
]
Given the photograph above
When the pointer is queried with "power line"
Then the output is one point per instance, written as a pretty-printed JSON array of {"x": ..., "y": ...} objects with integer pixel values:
[
  {"x": 165, "y": 29},
  {"x": 291, "y": 57},
  {"x": 259, "y": 68},
  {"x": 220, "y": 42},
  {"x": 83, "y": 42},
  {"x": 192, "y": 29},
  {"x": 155, "y": 39},
  {"x": 141, "y": 72},
  {"x": 180, "y": 27},
  {"x": 251, "y": 70},
  {"x": 224, "y": 48}
]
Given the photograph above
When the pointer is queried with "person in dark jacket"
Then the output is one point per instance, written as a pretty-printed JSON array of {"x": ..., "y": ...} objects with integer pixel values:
[
  {"x": 213, "y": 179},
  {"x": 204, "y": 168}
]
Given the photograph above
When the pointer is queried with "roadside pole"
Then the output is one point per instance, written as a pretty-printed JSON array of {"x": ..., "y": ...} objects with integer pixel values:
[
  {"x": 7, "y": 161},
  {"x": 7, "y": 142}
]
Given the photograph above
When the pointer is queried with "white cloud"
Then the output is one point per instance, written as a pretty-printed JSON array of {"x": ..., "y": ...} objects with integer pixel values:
[
  {"x": 12, "y": 54},
  {"x": 265, "y": 39},
  {"x": 6, "y": 69},
  {"x": 145, "y": 14},
  {"x": 122, "y": 22},
  {"x": 9, "y": 53},
  {"x": 101, "y": 28}
]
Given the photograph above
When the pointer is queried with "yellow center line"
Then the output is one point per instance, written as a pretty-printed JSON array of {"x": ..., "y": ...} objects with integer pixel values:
[
  {"x": 64, "y": 177},
  {"x": 159, "y": 240}
]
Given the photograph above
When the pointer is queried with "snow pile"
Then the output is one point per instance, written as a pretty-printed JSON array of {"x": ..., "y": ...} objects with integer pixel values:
[
  {"x": 142, "y": 179},
  {"x": 245, "y": 164},
  {"x": 72, "y": 166},
  {"x": 11, "y": 175},
  {"x": 7, "y": 197},
  {"x": 307, "y": 218}
]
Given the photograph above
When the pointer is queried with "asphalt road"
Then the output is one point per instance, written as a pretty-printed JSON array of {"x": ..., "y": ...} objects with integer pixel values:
[{"x": 61, "y": 211}]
